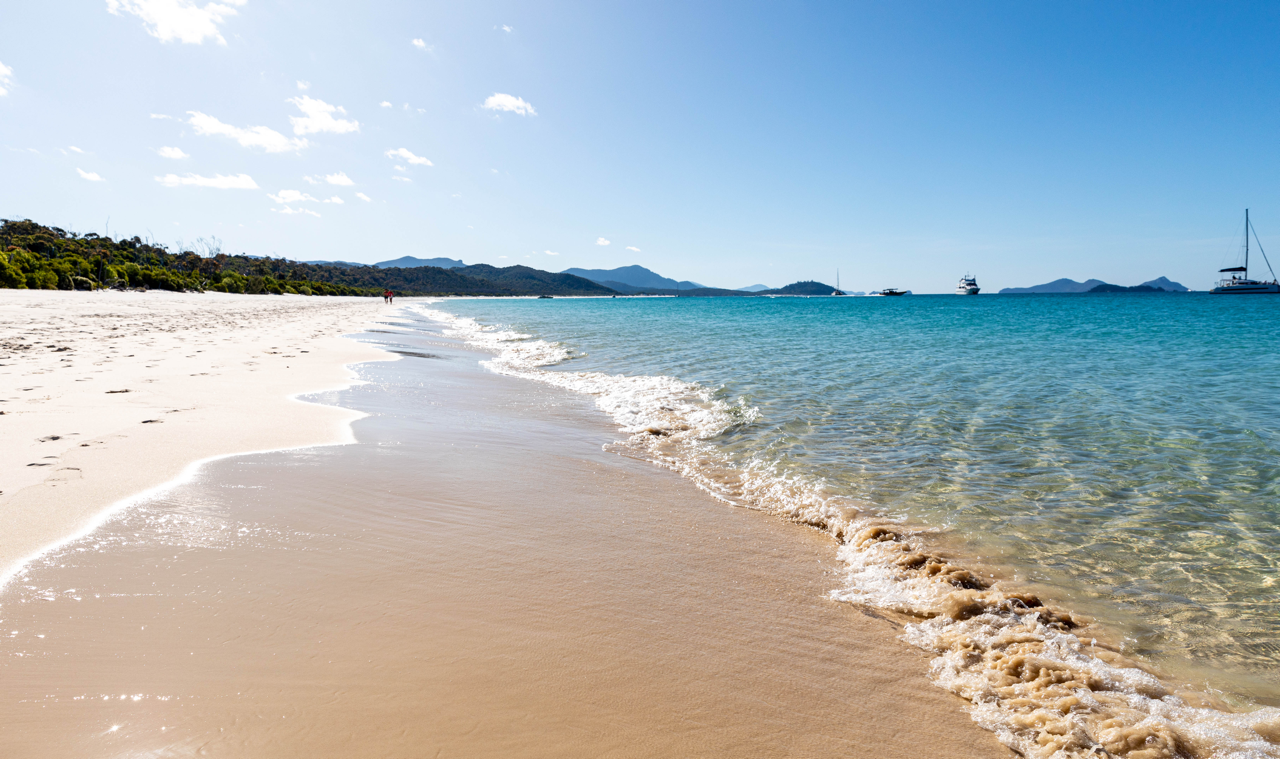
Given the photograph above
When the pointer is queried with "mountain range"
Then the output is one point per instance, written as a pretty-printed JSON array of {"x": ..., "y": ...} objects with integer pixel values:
[
  {"x": 634, "y": 278},
  {"x": 1162, "y": 284}
]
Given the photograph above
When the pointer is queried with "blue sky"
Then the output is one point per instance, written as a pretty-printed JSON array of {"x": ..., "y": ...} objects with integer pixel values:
[{"x": 733, "y": 143}]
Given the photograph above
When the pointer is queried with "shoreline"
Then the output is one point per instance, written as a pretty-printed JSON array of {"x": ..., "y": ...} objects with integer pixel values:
[
  {"x": 976, "y": 625},
  {"x": 476, "y": 576},
  {"x": 110, "y": 398}
]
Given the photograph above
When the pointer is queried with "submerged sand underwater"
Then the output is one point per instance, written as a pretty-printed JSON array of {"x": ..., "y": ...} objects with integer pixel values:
[{"x": 475, "y": 576}]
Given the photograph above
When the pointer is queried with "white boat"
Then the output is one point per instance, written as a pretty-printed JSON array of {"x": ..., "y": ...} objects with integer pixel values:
[
  {"x": 968, "y": 286},
  {"x": 1239, "y": 282},
  {"x": 838, "y": 291}
]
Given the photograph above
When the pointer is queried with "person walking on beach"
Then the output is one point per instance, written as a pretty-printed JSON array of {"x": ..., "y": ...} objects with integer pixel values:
[
  {"x": 386, "y": 296},
  {"x": 391, "y": 297}
]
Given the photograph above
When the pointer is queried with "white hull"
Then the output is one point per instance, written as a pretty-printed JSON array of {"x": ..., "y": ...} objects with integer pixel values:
[
  {"x": 1252, "y": 288},
  {"x": 967, "y": 290}
]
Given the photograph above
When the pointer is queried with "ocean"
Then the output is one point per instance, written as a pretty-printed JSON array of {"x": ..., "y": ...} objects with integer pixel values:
[{"x": 1091, "y": 481}]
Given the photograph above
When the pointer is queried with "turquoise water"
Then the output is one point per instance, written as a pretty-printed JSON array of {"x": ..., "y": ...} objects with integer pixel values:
[{"x": 1123, "y": 450}]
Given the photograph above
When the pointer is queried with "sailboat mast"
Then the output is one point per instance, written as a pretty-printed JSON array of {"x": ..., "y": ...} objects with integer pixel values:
[{"x": 1246, "y": 243}]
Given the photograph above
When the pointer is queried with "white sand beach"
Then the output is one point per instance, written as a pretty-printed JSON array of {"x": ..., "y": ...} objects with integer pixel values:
[{"x": 105, "y": 395}]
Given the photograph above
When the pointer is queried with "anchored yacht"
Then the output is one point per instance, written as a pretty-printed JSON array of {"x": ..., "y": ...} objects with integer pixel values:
[
  {"x": 1239, "y": 282},
  {"x": 968, "y": 286}
]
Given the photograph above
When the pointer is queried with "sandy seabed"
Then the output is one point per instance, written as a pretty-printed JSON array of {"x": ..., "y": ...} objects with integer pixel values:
[{"x": 474, "y": 575}]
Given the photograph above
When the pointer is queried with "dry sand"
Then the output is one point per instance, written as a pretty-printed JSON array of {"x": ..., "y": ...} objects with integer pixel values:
[{"x": 105, "y": 395}]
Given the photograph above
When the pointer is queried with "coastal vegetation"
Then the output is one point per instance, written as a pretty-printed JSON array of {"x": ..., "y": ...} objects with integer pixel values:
[{"x": 37, "y": 257}]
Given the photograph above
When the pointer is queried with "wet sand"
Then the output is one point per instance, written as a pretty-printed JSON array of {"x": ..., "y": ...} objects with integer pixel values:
[{"x": 475, "y": 577}]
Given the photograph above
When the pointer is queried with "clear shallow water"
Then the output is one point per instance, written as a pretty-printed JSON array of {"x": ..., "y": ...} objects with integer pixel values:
[{"x": 1122, "y": 449}]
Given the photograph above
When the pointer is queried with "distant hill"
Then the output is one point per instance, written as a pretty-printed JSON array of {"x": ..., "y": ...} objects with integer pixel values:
[
  {"x": 754, "y": 288},
  {"x": 343, "y": 264},
  {"x": 526, "y": 279},
  {"x": 808, "y": 287},
  {"x": 1096, "y": 286},
  {"x": 409, "y": 262},
  {"x": 635, "y": 276},
  {"x": 1167, "y": 285},
  {"x": 1056, "y": 286}
]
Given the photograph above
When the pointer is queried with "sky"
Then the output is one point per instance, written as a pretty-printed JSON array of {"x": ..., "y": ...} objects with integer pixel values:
[{"x": 903, "y": 143}]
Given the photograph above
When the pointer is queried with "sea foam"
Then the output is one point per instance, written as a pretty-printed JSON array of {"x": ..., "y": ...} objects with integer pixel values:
[{"x": 1033, "y": 675}]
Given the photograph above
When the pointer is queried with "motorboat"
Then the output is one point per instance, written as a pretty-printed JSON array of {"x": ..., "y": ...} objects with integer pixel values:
[{"x": 968, "y": 286}]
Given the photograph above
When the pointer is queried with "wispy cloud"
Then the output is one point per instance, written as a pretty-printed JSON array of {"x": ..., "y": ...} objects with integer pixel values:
[
  {"x": 74, "y": 149},
  {"x": 386, "y": 104},
  {"x": 172, "y": 153},
  {"x": 6, "y": 79},
  {"x": 218, "y": 181},
  {"x": 408, "y": 156},
  {"x": 89, "y": 175},
  {"x": 181, "y": 20},
  {"x": 601, "y": 241},
  {"x": 422, "y": 45},
  {"x": 304, "y": 85},
  {"x": 291, "y": 196},
  {"x": 319, "y": 117},
  {"x": 340, "y": 178},
  {"x": 250, "y": 137},
  {"x": 552, "y": 253},
  {"x": 506, "y": 28},
  {"x": 161, "y": 116},
  {"x": 288, "y": 210},
  {"x": 402, "y": 179},
  {"x": 364, "y": 197},
  {"x": 501, "y": 102},
  {"x": 631, "y": 248},
  {"x": 336, "y": 199}
]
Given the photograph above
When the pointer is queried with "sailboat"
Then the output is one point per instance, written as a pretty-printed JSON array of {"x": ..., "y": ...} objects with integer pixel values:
[
  {"x": 838, "y": 291},
  {"x": 1239, "y": 282}
]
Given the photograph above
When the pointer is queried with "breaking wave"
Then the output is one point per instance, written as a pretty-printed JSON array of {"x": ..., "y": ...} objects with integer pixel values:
[{"x": 1049, "y": 685}]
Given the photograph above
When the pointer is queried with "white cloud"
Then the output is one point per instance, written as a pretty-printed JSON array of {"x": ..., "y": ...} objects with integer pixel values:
[
  {"x": 291, "y": 196},
  {"x": 552, "y": 253},
  {"x": 250, "y": 137},
  {"x": 385, "y": 104},
  {"x": 304, "y": 85},
  {"x": 6, "y": 79},
  {"x": 506, "y": 28},
  {"x": 423, "y": 45},
  {"x": 336, "y": 199},
  {"x": 319, "y": 117},
  {"x": 288, "y": 210},
  {"x": 601, "y": 241},
  {"x": 339, "y": 178},
  {"x": 183, "y": 20},
  {"x": 89, "y": 175},
  {"x": 500, "y": 102},
  {"x": 160, "y": 116},
  {"x": 172, "y": 153},
  {"x": 402, "y": 179},
  {"x": 398, "y": 167},
  {"x": 631, "y": 248},
  {"x": 234, "y": 182},
  {"x": 74, "y": 149},
  {"x": 410, "y": 157},
  {"x": 364, "y": 197}
]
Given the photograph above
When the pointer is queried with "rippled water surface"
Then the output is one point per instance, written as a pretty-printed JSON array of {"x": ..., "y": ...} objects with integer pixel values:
[{"x": 1123, "y": 449}]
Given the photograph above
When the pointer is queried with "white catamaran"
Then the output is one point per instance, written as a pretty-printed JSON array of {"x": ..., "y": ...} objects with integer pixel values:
[{"x": 1239, "y": 282}]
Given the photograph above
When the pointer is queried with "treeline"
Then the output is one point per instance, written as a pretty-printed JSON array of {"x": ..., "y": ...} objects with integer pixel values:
[
  {"x": 33, "y": 256},
  {"x": 36, "y": 257}
]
